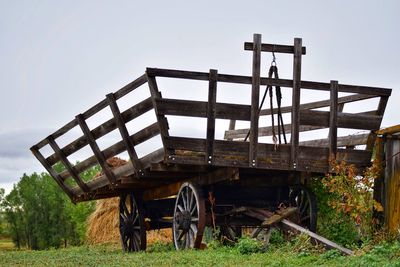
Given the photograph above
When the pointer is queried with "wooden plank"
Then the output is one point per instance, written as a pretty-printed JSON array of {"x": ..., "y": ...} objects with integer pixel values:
[
  {"x": 52, "y": 172},
  {"x": 296, "y": 101},
  {"x": 193, "y": 75},
  {"x": 68, "y": 165},
  {"x": 266, "y": 131},
  {"x": 288, "y": 49},
  {"x": 333, "y": 120},
  {"x": 318, "y": 104},
  {"x": 125, "y": 135},
  {"x": 190, "y": 108},
  {"x": 58, "y": 133},
  {"x": 131, "y": 86},
  {"x": 117, "y": 148},
  {"x": 363, "y": 120},
  {"x": 327, "y": 243},
  {"x": 96, "y": 150},
  {"x": 380, "y": 111},
  {"x": 104, "y": 128},
  {"x": 255, "y": 100},
  {"x": 232, "y": 124},
  {"x": 155, "y": 95},
  {"x": 211, "y": 111},
  {"x": 342, "y": 141}
]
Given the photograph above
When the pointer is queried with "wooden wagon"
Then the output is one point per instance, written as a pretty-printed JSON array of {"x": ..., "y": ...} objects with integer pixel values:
[{"x": 231, "y": 182}]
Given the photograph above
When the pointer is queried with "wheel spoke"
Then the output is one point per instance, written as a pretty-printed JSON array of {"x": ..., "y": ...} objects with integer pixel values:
[
  {"x": 181, "y": 235},
  {"x": 180, "y": 208},
  {"x": 184, "y": 201},
  {"x": 193, "y": 227},
  {"x": 194, "y": 219}
]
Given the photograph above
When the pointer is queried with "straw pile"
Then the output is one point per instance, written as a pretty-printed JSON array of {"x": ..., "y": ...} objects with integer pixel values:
[{"x": 103, "y": 223}]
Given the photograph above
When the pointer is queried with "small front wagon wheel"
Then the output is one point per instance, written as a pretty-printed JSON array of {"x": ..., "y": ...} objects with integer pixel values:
[
  {"x": 131, "y": 224},
  {"x": 189, "y": 217},
  {"x": 306, "y": 203}
]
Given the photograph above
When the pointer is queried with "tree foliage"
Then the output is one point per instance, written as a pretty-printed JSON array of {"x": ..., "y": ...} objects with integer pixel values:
[{"x": 41, "y": 216}]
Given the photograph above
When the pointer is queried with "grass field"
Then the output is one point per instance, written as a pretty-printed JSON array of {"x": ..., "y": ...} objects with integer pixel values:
[{"x": 164, "y": 255}]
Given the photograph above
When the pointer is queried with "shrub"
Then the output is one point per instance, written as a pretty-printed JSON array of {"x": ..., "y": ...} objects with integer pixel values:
[{"x": 247, "y": 245}]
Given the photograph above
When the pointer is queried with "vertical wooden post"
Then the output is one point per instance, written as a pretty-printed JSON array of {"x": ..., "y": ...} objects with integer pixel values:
[
  {"x": 380, "y": 111},
  {"x": 112, "y": 102},
  {"x": 232, "y": 125},
  {"x": 255, "y": 99},
  {"x": 161, "y": 119},
  {"x": 296, "y": 102},
  {"x": 212, "y": 99},
  {"x": 67, "y": 164},
  {"x": 96, "y": 150},
  {"x": 52, "y": 172},
  {"x": 333, "y": 120}
]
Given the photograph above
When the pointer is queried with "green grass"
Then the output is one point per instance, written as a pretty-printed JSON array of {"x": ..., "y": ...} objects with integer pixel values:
[
  {"x": 162, "y": 255},
  {"x": 6, "y": 244}
]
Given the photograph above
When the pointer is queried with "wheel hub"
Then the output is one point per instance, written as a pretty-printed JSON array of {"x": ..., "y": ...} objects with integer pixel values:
[{"x": 183, "y": 219}]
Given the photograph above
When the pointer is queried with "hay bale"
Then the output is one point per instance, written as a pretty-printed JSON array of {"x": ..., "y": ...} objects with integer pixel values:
[{"x": 103, "y": 223}]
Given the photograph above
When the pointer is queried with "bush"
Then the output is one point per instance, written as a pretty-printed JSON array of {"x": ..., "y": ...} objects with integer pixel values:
[{"x": 247, "y": 245}]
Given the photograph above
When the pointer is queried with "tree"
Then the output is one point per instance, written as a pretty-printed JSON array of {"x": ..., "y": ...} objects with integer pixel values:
[{"x": 41, "y": 216}]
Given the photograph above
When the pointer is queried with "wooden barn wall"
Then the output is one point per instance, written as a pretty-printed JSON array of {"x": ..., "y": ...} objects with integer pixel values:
[{"x": 392, "y": 184}]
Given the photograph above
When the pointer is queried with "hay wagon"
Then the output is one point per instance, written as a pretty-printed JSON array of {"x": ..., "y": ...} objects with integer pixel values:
[{"x": 234, "y": 181}]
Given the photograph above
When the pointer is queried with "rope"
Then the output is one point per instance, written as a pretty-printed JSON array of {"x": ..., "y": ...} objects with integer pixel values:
[{"x": 273, "y": 73}]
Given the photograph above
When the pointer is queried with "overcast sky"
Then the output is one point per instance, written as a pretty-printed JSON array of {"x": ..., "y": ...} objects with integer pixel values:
[{"x": 58, "y": 58}]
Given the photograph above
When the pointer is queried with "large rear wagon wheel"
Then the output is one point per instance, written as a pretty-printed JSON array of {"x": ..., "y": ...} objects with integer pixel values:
[
  {"x": 189, "y": 217},
  {"x": 306, "y": 203},
  {"x": 131, "y": 224}
]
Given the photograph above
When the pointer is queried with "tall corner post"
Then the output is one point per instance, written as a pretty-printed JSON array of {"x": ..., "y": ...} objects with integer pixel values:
[
  {"x": 212, "y": 99},
  {"x": 296, "y": 103},
  {"x": 333, "y": 114},
  {"x": 255, "y": 99}
]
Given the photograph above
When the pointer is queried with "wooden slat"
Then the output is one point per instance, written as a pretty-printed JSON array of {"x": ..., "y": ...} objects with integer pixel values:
[
  {"x": 342, "y": 141},
  {"x": 363, "y": 120},
  {"x": 124, "y": 134},
  {"x": 333, "y": 119},
  {"x": 68, "y": 165},
  {"x": 266, "y": 131},
  {"x": 96, "y": 150},
  {"x": 104, "y": 128},
  {"x": 131, "y": 86},
  {"x": 194, "y": 75},
  {"x": 232, "y": 124},
  {"x": 192, "y": 108},
  {"x": 288, "y": 49},
  {"x": 255, "y": 100},
  {"x": 155, "y": 95},
  {"x": 53, "y": 173},
  {"x": 117, "y": 148},
  {"x": 380, "y": 111},
  {"x": 212, "y": 99},
  {"x": 319, "y": 104},
  {"x": 296, "y": 101},
  {"x": 58, "y": 133}
]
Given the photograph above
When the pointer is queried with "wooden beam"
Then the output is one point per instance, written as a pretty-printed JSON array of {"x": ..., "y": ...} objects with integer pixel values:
[
  {"x": 288, "y": 49},
  {"x": 96, "y": 150},
  {"x": 319, "y": 104},
  {"x": 380, "y": 111},
  {"x": 327, "y": 243},
  {"x": 125, "y": 134},
  {"x": 101, "y": 130},
  {"x": 155, "y": 95},
  {"x": 53, "y": 173},
  {"x": 68, "y": 165},
  {"x": 362, "y": 121},
  {"x": 232, "y": 124},
  {"x": 137, "y": 138},
  {"x": 211, "y": 111},
  {"x": 255, "y": 100},
  {"x": 296, "y": 102},
  {"x": 342, "y": 141},
  {"x": 333, "y": 120}
]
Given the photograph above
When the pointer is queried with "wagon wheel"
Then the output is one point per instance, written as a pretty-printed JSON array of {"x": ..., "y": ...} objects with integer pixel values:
[
  {"x": 189, "y": 217},
  {"x": 306, "y": 204},
  {"x": 131, "y": 224}
]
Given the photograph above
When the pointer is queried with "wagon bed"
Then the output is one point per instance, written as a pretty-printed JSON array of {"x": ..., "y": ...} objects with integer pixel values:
[{"x": 160, "y": 172}]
